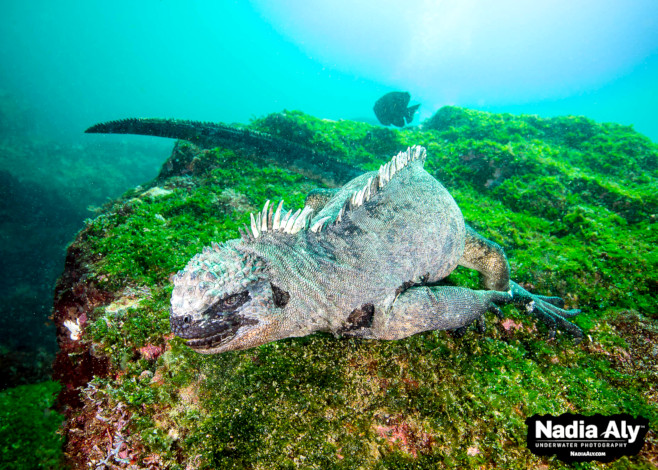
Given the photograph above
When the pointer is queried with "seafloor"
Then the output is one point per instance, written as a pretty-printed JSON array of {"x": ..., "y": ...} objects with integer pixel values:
[{"x": 572, "y": 202}]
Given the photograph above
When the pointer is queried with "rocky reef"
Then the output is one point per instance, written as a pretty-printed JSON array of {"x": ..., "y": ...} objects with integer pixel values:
[{"x": 572, "y": 201}]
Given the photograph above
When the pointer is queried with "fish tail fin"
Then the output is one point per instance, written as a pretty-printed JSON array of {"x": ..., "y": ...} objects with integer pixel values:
[{"x": 411, "y": 110}]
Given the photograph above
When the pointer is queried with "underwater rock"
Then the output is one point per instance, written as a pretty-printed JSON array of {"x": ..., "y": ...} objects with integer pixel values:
[
  {"x": 156, "y": 192},
  {"x": 134, "y": 395},
  {"x": 76, "y": 298}
]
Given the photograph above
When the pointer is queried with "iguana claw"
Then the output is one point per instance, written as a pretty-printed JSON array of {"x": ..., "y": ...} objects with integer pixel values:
[{"x": 548, "y": 309}]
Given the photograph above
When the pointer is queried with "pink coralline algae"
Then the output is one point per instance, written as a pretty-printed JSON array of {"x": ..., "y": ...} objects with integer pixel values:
[{"x": 151, "y": 352}]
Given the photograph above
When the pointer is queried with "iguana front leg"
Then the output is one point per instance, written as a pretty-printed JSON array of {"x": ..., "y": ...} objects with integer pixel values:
[
  {"x": 426, "y": 308},
  {"x": 489, "y": 259}
]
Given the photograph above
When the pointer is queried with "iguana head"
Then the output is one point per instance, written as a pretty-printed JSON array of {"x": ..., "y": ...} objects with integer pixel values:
[{"x": 223, "y": 300}]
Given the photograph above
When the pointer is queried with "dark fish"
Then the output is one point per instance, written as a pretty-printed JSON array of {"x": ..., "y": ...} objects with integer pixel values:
[{"x": 392, "y": 109}]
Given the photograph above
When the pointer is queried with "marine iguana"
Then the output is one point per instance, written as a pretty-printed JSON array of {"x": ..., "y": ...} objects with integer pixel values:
[
  {"x": 304, "y": 160},
  {"x": 363, "y": 260}
]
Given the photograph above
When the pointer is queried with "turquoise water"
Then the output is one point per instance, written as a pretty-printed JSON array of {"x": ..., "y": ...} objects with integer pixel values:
[{"x": 80, "y": 62}]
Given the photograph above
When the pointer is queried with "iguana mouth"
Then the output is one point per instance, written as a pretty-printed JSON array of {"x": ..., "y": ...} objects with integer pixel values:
[
  {"x": 212, "y": 341},
  {"x": 221, "y": 333}
]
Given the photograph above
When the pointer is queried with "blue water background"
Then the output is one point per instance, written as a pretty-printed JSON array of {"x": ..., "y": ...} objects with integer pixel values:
[{"x": 80, "y": 62}]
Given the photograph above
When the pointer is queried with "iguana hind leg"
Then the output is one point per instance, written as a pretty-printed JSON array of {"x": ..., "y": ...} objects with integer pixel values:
[{"x": 489, "y": 259}]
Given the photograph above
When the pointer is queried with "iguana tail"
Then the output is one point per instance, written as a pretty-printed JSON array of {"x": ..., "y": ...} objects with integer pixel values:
[{"x": 208, "y": 135}]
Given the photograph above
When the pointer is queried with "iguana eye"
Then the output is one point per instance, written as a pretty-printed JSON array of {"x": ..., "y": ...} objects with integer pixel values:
[
  {"x": 228, "y": 304},
  {"x": 234, "y": 301}
]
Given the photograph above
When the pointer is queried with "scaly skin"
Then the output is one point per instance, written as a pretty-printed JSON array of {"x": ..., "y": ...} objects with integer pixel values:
[{"x": 364, "y": 260}]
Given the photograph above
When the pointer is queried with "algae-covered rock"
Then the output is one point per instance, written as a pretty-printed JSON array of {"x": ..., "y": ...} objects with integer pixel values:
[
  {"x": 572, "y": 201},
  {"x": 28, "y": 427}
]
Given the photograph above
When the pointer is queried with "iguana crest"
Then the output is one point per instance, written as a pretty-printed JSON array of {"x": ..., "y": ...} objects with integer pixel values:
[{"x": 270, "y": 220}]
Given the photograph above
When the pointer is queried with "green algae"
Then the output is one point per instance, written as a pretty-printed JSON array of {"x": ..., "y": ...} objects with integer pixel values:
[
  {"x": 571, "y": 201},
  {"x": 28, "y": 427}
]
